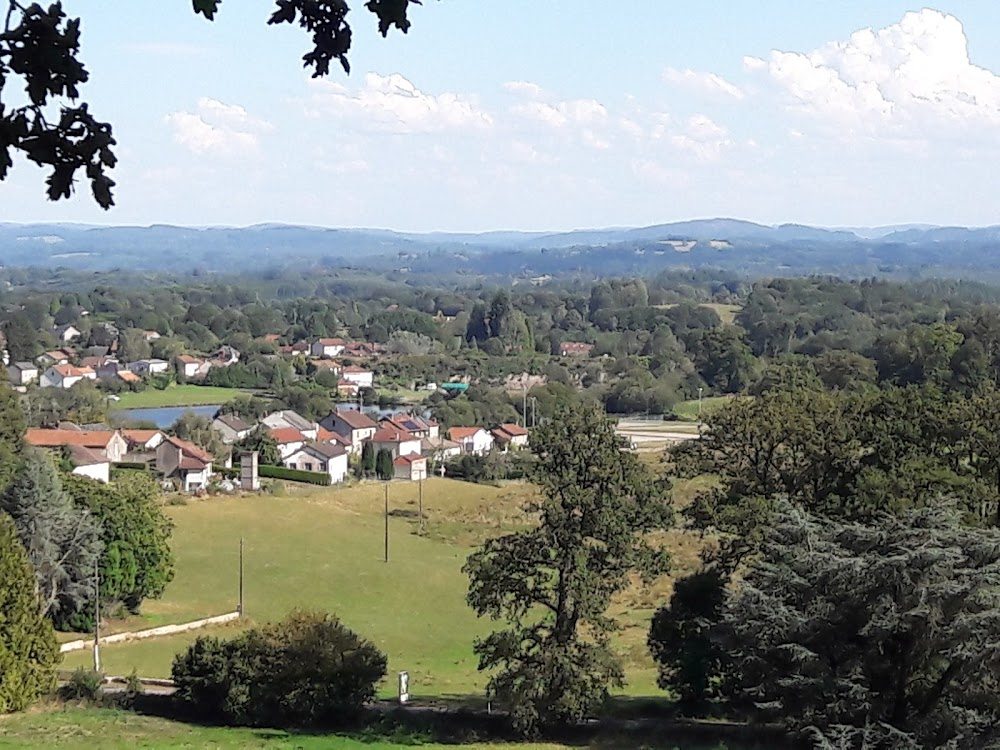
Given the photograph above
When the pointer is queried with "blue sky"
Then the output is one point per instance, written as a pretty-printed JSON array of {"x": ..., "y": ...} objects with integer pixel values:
[{"x": 554, "y": 114}]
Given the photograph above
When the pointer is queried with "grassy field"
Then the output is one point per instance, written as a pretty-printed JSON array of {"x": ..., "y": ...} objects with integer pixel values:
[
  {"x": 727, "y": 313},
  {"x": 689, "y": 409},
  {"x": 177, "y": 395},
  {"x": 84, "y": 729},
  {"x": 323, "y": 547}
]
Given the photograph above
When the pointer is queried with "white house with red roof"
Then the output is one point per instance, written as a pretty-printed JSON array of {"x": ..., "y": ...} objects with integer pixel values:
[
  {"x": 510, "y": 436},
  {"x": 359, "y": 376},
  {"x": 328, "y": 348},
  {"x": 65, "y": 376},
  {"x": 184, "y": 461},
  {"x": 323, "y": 458},
  {"x": 351, "y": 424},
  {"x": 289, "y": 440},
  {"x": 475, "y": 441},
  {"x": 412, "y": 467},
  {"x": 396, "y": 442}
]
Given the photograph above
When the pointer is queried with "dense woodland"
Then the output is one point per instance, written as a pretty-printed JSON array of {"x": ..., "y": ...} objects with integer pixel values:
[{"x": 655, "y": 341}]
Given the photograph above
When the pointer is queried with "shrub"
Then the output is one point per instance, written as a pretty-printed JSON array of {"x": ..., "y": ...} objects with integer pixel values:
[
  {"x": 294, "y": 475},
  {"x": 307, "y": 670},
  {"x": 83, "y": 685}
]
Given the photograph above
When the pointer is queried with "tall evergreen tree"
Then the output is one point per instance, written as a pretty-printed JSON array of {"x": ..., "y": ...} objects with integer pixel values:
[
  {"x": 63, "y": 542},
  {"x": 554, "y": 583},
  {"x": 879, "y": 636},
  {"x": 28, "y": 649},
  {"x": 383, "y": 464},
  {"x": 367, "y": 459}
]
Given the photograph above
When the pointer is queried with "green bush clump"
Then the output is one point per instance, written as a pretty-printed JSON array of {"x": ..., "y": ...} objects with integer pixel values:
[{"x": 306, "y": 670}]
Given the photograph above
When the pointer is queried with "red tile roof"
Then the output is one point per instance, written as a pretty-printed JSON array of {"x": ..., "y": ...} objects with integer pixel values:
[
  {"x": 68, "y": 371},
  {"x": 57, "y": 438},
  {"x": 356, "y": 420},
  {"x": 388, "y": 435},
  {"x": 288, "y": 435},
  {"x": 514, "y": 430},
  {"x": 460, "y": 433},
  {"x": 191, "y": 450},
  {"x": 409, "y": 459},
  {"x": 140, "y": 436}
]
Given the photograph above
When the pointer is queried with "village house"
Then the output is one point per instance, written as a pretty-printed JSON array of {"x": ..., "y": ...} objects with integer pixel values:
[
  {"x": 110, "y": 443},
  {"x": 231, "y": 428},
  {"x": 439, "y": 449},
  {"x": 351, "y": 424},
  {"x": 289, "y": 440},
  {"x": 151, "y": 335},
  {"x": 474, "y": 440},
  {"x": 328, "y": 348},
  {"x": 510, "y": 436},
  {"x": 54, "y": 357},
  {"x": 144, "y": 367},
  {"x": 143, "y": 440},
  {"x": 185, "y": 462},
  {"x": 65, "y": 376},
  {"x": 66, "y": 334},
  {"x": 224, "y": 356},
  {"x": 128, "y": 377},
  {"x": 359, "y": 376},
  {"x": 326, "y": 365},
  {"x": 325, "y": 436},
  {"x": 104, "y": 367},
  {"x": 412, "y": 424},
  {"x": 324, "y": 458},
  {"x": 191, "y": 367},
  {"x": 396, "y": 442},
  {"x": 288, "y": 419},
  {"x": 348, "y": 389},
  {"x": 412, "y": 467},
  {"x": 91, "y": 463},
  {"x": 359, "y": 349},
  {"x": 575, "y": 349},
  {"x": 22, "y": 373}
]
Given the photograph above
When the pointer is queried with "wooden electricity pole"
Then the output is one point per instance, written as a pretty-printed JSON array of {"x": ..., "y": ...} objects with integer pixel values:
[
  {"x": 241, "y": 607},
  {"x": 386, "y": 522},
  {"x": 97, "y": 615},
  {"x": 420, "y": 505}
]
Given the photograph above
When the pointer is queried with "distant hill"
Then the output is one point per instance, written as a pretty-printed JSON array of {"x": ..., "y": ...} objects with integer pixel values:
[{"x": 739, "y": 246}]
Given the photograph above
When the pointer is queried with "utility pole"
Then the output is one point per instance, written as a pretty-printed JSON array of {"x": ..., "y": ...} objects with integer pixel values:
[
  {"x": 699, "y": 411},
  {"x": 420, "y": 506},
  {"x": 524, "y": 406},
  {"x": 386, "y": 522},
  {"x": 241, "y": 607},
  {"x": 534, "y": 404},
  {"x": 97, "y": 615}
]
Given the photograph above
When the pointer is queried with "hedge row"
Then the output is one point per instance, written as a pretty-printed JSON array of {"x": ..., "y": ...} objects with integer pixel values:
[{"x": 293, "y": 475}]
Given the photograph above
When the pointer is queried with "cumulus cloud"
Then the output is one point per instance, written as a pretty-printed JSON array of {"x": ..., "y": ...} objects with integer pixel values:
[
  {"x": 561, "y": 114},
  {"x": 394, "y": 104},
  {"x": 705, "y": 82},
  {"x": 217, "y": 128},
  {"x": 523, "y": 88},
  {"x": 910, "y": 77}
]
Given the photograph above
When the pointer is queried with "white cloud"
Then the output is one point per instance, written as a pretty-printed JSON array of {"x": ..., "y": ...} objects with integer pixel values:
[
  {"x": 702, "y": 81},
  {"x": 523, "y": 88},
  {"x": 216, "y": 128},
  {"x": 394, "y": 104},
  {"x": 591, "y": 139},
  {"x": 908, "y": 78},
  {"x": 561, "y": 114},
  {"x": 699, "y": 136}
]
